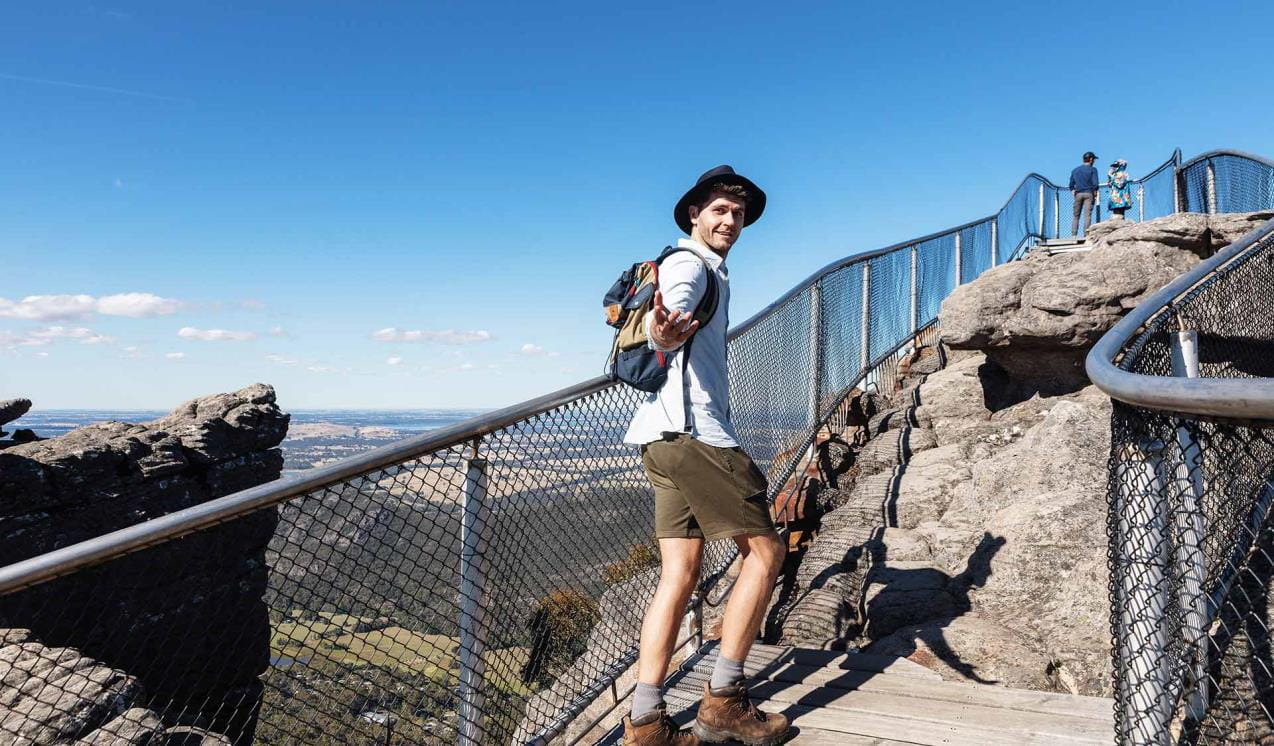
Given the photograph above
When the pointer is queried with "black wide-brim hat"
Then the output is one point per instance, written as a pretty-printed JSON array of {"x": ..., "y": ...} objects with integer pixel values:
[{"x": 719, "y": 175}]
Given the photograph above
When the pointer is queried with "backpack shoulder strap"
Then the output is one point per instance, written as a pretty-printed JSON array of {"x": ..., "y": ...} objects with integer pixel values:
[{"x": 707, "y": 307}]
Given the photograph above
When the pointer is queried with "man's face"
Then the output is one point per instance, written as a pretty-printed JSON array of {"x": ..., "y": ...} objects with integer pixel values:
[{"x": 718, "y": 223}]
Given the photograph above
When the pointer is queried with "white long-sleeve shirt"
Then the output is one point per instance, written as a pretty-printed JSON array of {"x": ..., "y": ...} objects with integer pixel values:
[{"x": 683, "y": 280}]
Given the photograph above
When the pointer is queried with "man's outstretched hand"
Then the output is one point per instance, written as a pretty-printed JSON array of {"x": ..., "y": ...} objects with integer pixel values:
[{"x": 670, "y": 330}]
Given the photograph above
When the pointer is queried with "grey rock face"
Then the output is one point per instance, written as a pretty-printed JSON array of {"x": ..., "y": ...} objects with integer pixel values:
[
  {"x": 166, "y": 613},
  {"x": 12, "y": 409},
  {"x": 1038, "y": 317}
]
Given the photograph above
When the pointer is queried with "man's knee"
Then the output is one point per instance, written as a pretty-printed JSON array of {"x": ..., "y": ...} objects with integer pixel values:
[{"x": 768, "y": 549}]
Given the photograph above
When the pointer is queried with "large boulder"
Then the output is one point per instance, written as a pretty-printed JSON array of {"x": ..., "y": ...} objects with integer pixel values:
[{"x": 1037, "y": 318}]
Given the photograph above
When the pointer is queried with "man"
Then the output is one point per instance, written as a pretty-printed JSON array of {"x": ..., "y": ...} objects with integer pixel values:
[
  {"x": 1084, "y": 190},
  {"x": 706, "y": 487}
]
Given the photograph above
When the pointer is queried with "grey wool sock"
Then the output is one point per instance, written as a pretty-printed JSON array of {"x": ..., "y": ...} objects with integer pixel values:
[
  {"x": 646, "y": 699},
  {"x": 727, "y": 672}
]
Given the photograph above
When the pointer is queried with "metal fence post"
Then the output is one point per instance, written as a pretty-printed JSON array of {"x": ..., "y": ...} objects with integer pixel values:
[
  {"x": 959, "y": 261},
  {"x": 1141, "y": 203},
  {"x": 995, "y": 242},
  {"x": 473, "y": 576},
  {"x": 1212, "y": 189},
  {"x": 1176, "y": 189},
  {"x": 1141, "y": 581},
  {"x": 1041, "y": 232},
  {"x": 816, "y": 352},
  {"x": 1057, "y": 214},
  {"x": 1191, "y": 527},
  {"x": 865, "y": 357},
  {"x": 915, "y": 290}
]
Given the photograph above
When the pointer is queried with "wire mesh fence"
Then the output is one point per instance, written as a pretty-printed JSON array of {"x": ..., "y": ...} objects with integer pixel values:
[
  {"x": 1191, "y": 537},
  {"x": 484, "y": 588}
]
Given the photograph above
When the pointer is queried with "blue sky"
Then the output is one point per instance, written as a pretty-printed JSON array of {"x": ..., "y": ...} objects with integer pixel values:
[{"x": 236, "y": 192}]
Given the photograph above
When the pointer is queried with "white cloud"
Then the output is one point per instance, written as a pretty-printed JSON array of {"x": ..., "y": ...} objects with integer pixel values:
[
  {"x": 321, "y": 369},
  {"x": 47, "y": 334},
  {"x": 175, "y": 355},
  {"x": 467, "y": 366},
  {"x": 131, "y": 351},
  {"x": 215, "y": 335},
  {"x": 281, "y": 359},
  {"x": 277, "y": 331},
  {"x": 68, "y": 307},
  {"x": 137, "y": 305},
  {"x": 41, "y": 354},
  {"x": 447, "y": 336},
  {"x": 48, "y": 307},
  {"x": 393, "y": 360},
  {"x": 9, "y": 340},
  {"x": 535, "y": 350}
]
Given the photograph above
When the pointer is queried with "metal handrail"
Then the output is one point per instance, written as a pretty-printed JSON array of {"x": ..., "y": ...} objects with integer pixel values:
[
  {"x": 1211, "y": 154},
  {"x": 1245, "y": 399},
  {"x": 66, "y": 560}
]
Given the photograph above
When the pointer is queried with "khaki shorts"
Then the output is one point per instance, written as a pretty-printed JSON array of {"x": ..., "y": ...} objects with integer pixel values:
[{"x": 702, "y": 491}]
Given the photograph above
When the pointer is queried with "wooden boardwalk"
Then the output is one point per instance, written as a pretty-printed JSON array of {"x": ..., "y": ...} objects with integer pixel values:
[{"x": 853, "y": 699}]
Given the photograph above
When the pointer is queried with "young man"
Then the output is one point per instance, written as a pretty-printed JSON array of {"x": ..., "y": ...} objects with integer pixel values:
[
  {"x": 706, "y": 487},
  {"x": 1084, "y": 190}
]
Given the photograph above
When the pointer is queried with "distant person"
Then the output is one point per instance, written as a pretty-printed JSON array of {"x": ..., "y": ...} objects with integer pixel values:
[
  {"x": 1084, "y": 190},
  {"x": 1117, "y": 179},
  {"x": 706, "y": 486}
]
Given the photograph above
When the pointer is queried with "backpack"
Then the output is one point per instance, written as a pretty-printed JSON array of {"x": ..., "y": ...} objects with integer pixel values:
[{"x": 627, "y": 304}]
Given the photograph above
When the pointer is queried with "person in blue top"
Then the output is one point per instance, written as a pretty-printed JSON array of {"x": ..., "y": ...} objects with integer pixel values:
[
  {"x": 1084, "y": 188},
  {"x": 1117, "y": 179}
]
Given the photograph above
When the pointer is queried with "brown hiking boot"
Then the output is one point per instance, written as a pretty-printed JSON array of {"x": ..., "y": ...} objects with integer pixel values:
[
  {"x": 656, "y": 729},
  {"x": 727, "y": 714}
]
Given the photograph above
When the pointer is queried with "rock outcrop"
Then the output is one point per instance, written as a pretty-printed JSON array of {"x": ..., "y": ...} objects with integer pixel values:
[
  {"x": 183, "y": 624},
  {"x": 12, "y": 409},
  {"x": 967, "y": 528},
  {"x": 1037, "y": 318}
]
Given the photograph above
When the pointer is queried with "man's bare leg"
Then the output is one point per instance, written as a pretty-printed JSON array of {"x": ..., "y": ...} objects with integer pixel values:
[
  {"x": 762, "y": 560},
  {"x": 678, "y": 577}
]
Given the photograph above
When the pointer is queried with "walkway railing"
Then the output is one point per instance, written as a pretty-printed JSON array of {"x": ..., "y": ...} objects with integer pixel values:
[
  {"x": 482, "y": 583},
  {"x": 1191, "y": 371}
]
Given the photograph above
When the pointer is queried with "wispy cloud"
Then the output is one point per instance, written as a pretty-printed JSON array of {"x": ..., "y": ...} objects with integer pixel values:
[
  {"x": 535, "y": 350},
  {"x": 281, "y": 359},
  {"x": 137, "y": 305},
  {"x": 215, "y": 335},
  {"x": 175, "y": 355},
  {"x": 393, "y": 360},
  {"x": 277, "y": 331},
  {"x": 81, "y": 334},
  {"x": 67, "y": 307},
  {"x": 90, "y": 87},
  {"x": 447, "y": 336}
]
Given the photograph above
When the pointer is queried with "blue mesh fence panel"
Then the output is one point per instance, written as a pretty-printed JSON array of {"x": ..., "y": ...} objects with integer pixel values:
[
  {"x": 1194, "y": 187},
  {"x": 1158, "y": 193},
  {"x": 842, "y": 314},
  {"x": 770, "y": 375},
  {"x": 1057, "y": 206},
  {"x": 1242, "y": 184},
  {"x": 975, "y": 251},
  {"x": 890, "y": 286},
  {"x": 935, "y": 275}
]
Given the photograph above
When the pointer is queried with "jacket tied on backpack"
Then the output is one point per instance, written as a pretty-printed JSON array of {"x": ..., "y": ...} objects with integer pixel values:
[{"x": 694, "y": 397}]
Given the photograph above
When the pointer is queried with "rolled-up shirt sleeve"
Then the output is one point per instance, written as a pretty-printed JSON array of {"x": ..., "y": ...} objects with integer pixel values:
[{"x": 683, "y": 280}]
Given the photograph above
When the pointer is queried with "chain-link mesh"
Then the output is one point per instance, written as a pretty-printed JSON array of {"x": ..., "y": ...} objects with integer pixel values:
[
  {"x": 482, "y": 592},
  {"x": 1191, "y": 537}
]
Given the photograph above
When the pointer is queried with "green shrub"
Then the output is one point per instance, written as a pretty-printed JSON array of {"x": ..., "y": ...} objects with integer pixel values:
[
  {"x": 559, "y": 630},
  {"x": 640, "y": 556}
]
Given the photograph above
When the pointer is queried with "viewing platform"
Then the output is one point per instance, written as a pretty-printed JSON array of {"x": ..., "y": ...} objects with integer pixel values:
[{"x": 856, "y": 699}]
